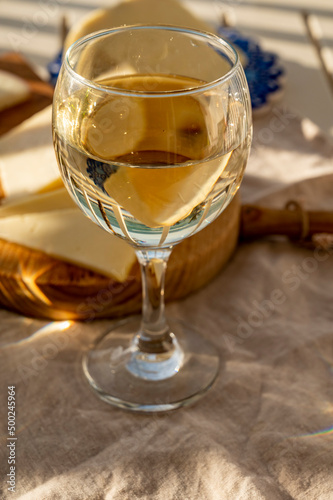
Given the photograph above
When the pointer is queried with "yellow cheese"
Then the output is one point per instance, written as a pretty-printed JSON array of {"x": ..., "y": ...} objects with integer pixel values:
[
  {"x": 27, "y": 158},
  {"x": 51, "y": 186},
  {"x": 70, "y": 236},
  {"x": 131, "y": 12},
  {"x": 38, "y": 212},
  {"x": 44, "y": 202},
  {"x": 13, "y": 90},
  {"x": 135, "y": 12}
]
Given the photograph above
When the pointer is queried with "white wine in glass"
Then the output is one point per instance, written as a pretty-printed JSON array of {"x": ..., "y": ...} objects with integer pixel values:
[{"x": 152, "y": 130}]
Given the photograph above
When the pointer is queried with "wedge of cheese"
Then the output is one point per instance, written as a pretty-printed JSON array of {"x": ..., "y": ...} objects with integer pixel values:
[
  {"x": 131, "y": 12},
  {"x": 38, "y": 212},
  {"x": 135, "y": 12},
  {"x": 70, "y": 236},
  {"x": 27, "y": 159},
  {"x": 48, "y": 201},
  {"x": 13, "y": 90}
]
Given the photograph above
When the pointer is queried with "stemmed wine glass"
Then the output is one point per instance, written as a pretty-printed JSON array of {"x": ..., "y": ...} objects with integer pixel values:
[{"x": 152, "y": 130}]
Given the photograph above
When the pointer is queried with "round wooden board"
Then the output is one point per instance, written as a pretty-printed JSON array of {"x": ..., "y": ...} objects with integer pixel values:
[{"x": 34, "y": 284}]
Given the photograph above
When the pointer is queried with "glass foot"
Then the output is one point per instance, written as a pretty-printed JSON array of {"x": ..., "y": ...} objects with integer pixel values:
[{"x": 129, "y": 378}]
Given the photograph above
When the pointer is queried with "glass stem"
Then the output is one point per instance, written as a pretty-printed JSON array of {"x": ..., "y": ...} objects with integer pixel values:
[{"x": 154, "y": 335}]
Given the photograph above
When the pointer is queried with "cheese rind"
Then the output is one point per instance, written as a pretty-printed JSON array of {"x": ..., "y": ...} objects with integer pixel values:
[{"x": 87, "y": 246}]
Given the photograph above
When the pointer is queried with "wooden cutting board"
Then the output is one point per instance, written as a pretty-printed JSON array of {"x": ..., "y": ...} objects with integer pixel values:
[{"x": 34, "y": 284}]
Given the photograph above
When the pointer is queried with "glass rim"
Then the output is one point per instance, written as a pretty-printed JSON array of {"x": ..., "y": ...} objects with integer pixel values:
[{"x": 127, "y": 92}]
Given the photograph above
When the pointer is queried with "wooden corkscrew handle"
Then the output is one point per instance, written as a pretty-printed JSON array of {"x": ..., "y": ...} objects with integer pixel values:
[{"x": 292, "y": 221}]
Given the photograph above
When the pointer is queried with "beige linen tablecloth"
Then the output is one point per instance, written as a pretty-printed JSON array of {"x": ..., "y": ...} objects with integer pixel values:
[{"x": 264, "y": 431}]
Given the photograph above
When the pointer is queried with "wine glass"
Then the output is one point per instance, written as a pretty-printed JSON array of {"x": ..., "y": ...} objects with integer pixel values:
[{"x": 152, "y": 130}]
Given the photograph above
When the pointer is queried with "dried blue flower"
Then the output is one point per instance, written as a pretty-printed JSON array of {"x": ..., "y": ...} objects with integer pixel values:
[{"x": 99, "y": 172}]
